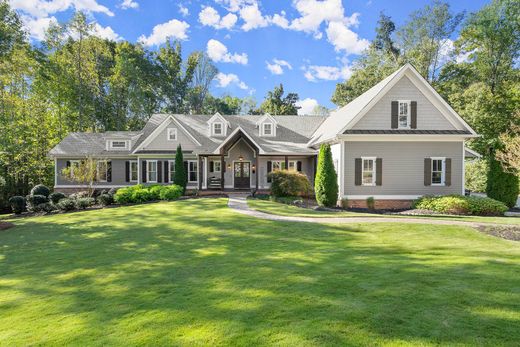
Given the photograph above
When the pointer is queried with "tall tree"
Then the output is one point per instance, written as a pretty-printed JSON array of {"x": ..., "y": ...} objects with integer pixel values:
[
  {"x": 276, "y": 103},
  {"x": 11, "y": 32},
  {"x": 203, "y": 75}
]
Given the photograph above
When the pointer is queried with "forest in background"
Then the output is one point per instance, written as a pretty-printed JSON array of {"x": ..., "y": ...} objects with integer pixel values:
[{"x": 76, "y": 81}]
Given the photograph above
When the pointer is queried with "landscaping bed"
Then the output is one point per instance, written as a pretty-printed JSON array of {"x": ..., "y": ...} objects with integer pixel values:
[
  {"x": 5, "y": 225},
  {"x": 507, "y": 232}
]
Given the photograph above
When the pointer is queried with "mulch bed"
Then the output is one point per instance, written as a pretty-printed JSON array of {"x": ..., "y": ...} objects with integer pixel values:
[
  {"x": 6, "y": 225},
  {"x": 508, "y": 232}
]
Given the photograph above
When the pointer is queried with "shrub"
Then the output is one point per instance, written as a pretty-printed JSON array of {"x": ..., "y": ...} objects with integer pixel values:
[
  {"x": 112, "y": 191},
  {"x": 371, "y": 203},
  {"x": 40, "y": 189},
  {"x": 17, "y": 204},
  {"x": 106, "y": 199},
  {"x": 289, "y": 183},
  {"x": 124, "y": 195},
  {"x": 180, "y": 178},
  {"x": 45, "y": 207},
  {"x": 344, "y": 203},
  {"x": 141, "y": 195},
  {"x": 326, "y": 182},
  {"x": 79, "y": 195},
  {"x": 172, "y": 192},
  {"x": 476, "y": 175},
  {"x": 34, "y": 200},
  {"x": 155, "y": 191},
  {"x": 458, "y": 204},
  {"x": 66, "y": 204},
  {"x": 56, "y": 197},
  {"x": 288, "y": 200},
  {"x": 83, "y": 203},
  {"x": 501, "y": 186}
]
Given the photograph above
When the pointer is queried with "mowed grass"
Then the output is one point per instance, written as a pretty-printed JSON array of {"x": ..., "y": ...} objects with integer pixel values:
[
  {"x": 280, "y": 209},
  {"x": 196, "y": 273}
]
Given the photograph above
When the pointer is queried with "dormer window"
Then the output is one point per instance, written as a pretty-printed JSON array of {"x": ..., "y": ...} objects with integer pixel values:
[
  {"x": 118, "y": 144},
  {"x": 217, "y": 129},
  {"x": 267, "y": 129},
  {"x": 267, "y": 125},
  {"x": 172, "y": 134},
  {"x": 404, "y": 114}
]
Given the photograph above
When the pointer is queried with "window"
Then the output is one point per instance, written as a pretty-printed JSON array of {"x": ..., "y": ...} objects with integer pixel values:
[
  {"x": 151, "y": 171},
  {"x": 217, "y": 128},
  {"x": 278, "y": 165},
  {"x": 267, "y": 129},
  {"x": 369, "y": 171},
  {"x": 192, "y": 171},
  {"x": 216, "y": 166},
  {"x": 404, "y": 114},
  {"x": 171, "y": 169},
  {"x": 133, "y": 171},
  {"x": 172, "y": 134},
  {"x": 118, "y": 144},
  {"x": 74, "y": 164},
  {"x": 102, "y": 171},
  {"x": 438, "y": 171},
  {"x": 293, "y": 166}
]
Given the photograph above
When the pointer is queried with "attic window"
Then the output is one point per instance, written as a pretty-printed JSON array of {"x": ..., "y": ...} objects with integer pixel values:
[
  {"x": 121, "y": 145},
  {"x": 216, "y": 129},
  {"x": 267, "y": 129},
  {"x": 404, "y": 114},
  {"x": 172, "y": 134}
]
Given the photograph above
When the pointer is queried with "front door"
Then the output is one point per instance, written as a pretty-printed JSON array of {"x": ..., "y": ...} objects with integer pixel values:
[{"x": 242, "y": 175}]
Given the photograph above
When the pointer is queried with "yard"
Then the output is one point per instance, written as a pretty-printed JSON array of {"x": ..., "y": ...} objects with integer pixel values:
[{"x": 197, "y": 273}]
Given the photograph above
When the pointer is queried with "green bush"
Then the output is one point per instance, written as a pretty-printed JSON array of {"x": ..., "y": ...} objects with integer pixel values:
[
  {"x": 66, "y": 204},
  {"x": 40, "y": 189},
  {"x": 476, "y": 175},
  {"x": 181, "y": 176},
  {"x": 56, "y": 197},
  {"x": 141, "y": 195},
  {"x": 79, "y": 195},
  {"x": 172, "y": 192},
  {"x": 106, "y": 199},
  {"x": 371, "y": 203},
  {"x": 344, "y": 203},
  {"x": 326, "y": 182},
  {"x": 289, "y": 183},
  {"x": 501, "y": 186},
  {"x": 463, "y": 205},
  {"x": 34, "y": 200},
  {"x": 17, "y": 204},
  {"x": 124, "y": 195},
  {"x": 83, "y": 203},
  {"x": 46, "y": 207},
  {"x": 155, "y": 191}
]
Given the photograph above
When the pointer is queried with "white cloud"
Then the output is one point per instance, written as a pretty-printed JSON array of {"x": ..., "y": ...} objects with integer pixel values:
[
  {"x": 307, "y": 106},
  {"x": 235, "y": 5},
  {"x": 224, "y": 80},
  {"x": 126, "y": 4},
  {"x": 106, "y": 33},
  {"x": 173, "y": 29},
  {"x": 276, "y": 67},
  {"x": 314, "y": 12},
  {"x": 184, "y": 11},
  {"x": 344, "y": 39},
  {"x": 313, "y": 73},
  {"x": 36, "y": 27},
  {"x": 252, "y": 18},
  {"x": 218, "y": 52},
  {"x": 42, "y": 8},
  {"x": 210, "y": 17}
]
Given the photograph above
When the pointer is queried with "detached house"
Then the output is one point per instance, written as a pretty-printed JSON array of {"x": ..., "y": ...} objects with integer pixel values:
[{"x": 396, "y": 142}]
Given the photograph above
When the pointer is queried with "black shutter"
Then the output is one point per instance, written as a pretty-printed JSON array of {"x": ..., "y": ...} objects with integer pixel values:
[
  {"x": 447, "y": 172},
  {"x": 379, "y": 171},
  {"x": 427, "y": 172},
  {"x": 127, "y": 171},
  {"x": 394, "y": 114},
  {"x": 357, "y": 171},
  {"x": 166, "y": 171},
  {"x": 68, "y": 163},
  {"x": 159, "y": 171},
  {"x": 143, "y": 171},
  {"x": 223, "y": 168},
  {"x": 269, "y": 169},
  {"x": 211, "y": 166},
  {"x": 299, "y": 166},
  {"x": 413, "y": 122},
  {"x": 186, "y": 171},
  {"x": 109, "y": 171}
]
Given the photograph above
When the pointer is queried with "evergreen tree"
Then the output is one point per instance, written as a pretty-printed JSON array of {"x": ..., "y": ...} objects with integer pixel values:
[
  {"x": 180, "y": 177},
  {"x": 326, "y": 183},
  {"x": 501, "y": 186}
]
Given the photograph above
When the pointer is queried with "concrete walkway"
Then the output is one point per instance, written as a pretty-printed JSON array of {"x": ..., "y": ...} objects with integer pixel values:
[{"x": 238, "y": 202}]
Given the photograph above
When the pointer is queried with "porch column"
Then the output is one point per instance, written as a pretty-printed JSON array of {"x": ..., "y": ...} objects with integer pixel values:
[
  {"x": 201, "y": 174},
  {"x": 257, "y": 171},
  {"x": 222, "y": 169}
]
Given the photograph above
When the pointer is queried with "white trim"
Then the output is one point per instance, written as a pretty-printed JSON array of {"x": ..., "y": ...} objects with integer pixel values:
[
  {"x": 472, "y": 152},
  {"x": 205, "y": 173},
  {"x": 222, "y": 131},
  {"x": 403, "y": 138},
  {"x": 148, "y": 180},
  {"x": 110, "y": 145},
  {"x": 159, "y": 129},
  {"x": 219, "y": 163},
  {"x": 382, "y": 197},
  {"x": 264, "y": 117},
  {"x": 443, "y": 172},
  {"x": 236, "y": 143},
  {"x": 374, "y": 171},
  {"x": 463, "y": 168},
  {"x": 170, "y": 178},
  {"x": 55, "y": 172},
  {"x": 262, "y": 129},
  {"x": 130, "y": 170},
  {"x": 408, "y": 114},
  {"x": 234, "y": 132},
  {"x": 106, "y": 170},
  {"x": 233, "y": 172},
  {"x": 169, "y": 132},
  {"x": 341, "y": 168},
  {"x": 196, "y": 161},
  {"x": 94, "y": 185}
]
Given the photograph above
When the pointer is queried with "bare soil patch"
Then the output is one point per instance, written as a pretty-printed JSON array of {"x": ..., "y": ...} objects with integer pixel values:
[
  {"x": 508, "y": 232},
  {"x": 5, "y": 225}
]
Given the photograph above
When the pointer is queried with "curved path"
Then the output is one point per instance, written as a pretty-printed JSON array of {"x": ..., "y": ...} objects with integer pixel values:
[{"x": 238, "y": 202}]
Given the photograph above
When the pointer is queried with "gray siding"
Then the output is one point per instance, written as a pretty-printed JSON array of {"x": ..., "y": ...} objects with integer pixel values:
[
  {"x": 403, "y": 167},
  {"x": 161, "y": 142},
  {"x": 118, "y": 174},
  {"x": 164, "y": 160},
  {"x": 428, "y": 116}
]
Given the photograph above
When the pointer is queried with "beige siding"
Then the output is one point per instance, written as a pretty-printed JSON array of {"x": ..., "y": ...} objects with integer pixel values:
[
  {"x": 161, "y": 142},
  {"x": 428, "y": 116},
  {"x": 403, "y": 167}
]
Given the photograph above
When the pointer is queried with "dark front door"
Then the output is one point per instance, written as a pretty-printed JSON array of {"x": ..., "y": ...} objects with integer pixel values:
[{"x": 242, "y": 175}]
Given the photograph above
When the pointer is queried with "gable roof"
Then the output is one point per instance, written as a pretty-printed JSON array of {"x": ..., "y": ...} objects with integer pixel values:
[{"x": 347, "y": 116}]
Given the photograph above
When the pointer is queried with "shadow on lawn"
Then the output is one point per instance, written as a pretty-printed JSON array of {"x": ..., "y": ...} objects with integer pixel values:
[{"x": 196, "y": 272}]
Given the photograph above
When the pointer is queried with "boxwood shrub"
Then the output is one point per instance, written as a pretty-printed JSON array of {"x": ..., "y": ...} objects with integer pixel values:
[
  {"x": 17, "y": 204},
  {"x": 140, "y": 193},
  {"x": 106, "y": 199},
  {"x": 172, "y": 192},
  {"x": 289, "y": 183},
  {"x": 66, "y": 204},
  {"x": 34, "y": 200},
  {"x": 56, "y": 197},
  {"x": 40, "y": 189},
  {"x": 83, "y": 203},
  {"x": 464, "y": 205}
]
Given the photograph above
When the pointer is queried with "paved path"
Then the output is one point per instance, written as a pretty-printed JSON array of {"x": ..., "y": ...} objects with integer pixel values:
[{"x": 238, "y": 202}]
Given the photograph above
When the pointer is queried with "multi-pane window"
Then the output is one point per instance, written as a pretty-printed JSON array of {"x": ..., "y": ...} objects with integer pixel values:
[
  {"x": 268, "y": 129},
  {"x": 118, "y": 144},
  {"x": 438, "y": 171},
  {"x": 216, "y": 166},
  {"x": 192, "y": 171},
  {"x": 151, "y": 171},
  {"x": 172, "y": 134},
  {"x": 369, "y": 171},
  {"x": 278, "y": 165},
  {"x": 293, "y": 166},
  {"x": 133, "y": 171},
  {"x": 171, "y": 169},
  {"x": 217, "y": 128},
  {"x": 102, "y": 171},
  {"x": 404, "y": 114}
]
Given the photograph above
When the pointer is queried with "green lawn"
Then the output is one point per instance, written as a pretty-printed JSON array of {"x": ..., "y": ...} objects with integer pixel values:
[
  {"x": 277, "y": 208},
  {"x": 196, "y": 273}
]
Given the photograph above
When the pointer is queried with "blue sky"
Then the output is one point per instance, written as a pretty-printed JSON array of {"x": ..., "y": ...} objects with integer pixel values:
[{"x": 308, "y": 45}]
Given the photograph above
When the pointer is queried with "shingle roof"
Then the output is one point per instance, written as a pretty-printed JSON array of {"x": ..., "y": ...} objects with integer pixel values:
[
  {"x": 410, "y": 132},
  {"x": 83, "y": 144}
]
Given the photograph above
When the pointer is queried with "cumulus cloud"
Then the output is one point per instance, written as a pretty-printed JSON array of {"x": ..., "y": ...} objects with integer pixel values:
[
  {"x": 210, "y": 17},
  {"x": 224, "y": 80},
  {"x": 313, "y": 73},
  {"x": 184, "y": 11},
  {"x": 252, "y": 18},
  {"x": 277, "y": 66},
  {"x": 126, "y": 4},
  {"x": 344, "y": 39},
  {"x": 307, "y": 106},
  {"x": 218, "y": 52},
  {"x": 173, "y": 29},
  {"x": 36, "y": 27},
  {"x": 106, "y": 32},
  {"x": 42, "y": 8}
]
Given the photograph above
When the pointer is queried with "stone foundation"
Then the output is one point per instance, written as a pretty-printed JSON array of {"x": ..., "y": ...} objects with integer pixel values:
[{"x": 382, "y": 204}]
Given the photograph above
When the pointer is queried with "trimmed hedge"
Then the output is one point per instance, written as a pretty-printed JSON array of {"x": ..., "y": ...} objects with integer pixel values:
[
  {"x": 34, "y": 200},
  {"x": 56, "y": 197},
  {"x": 140, "y": 193},
  {"x": 106, "y": 199},
  {"x": 461, "y": 205},
  {"x": 289, "y": 183},
  {"x": 172, "y": 192},
  {"x": 326, "y": 182},
  {"x": 83, "y": 203},
  {"x": 66, "y": 204},
  {"x": 40, "y": 189},
  {"x": 17, "y": 204},
  {"x": 501, "y": 186}
]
